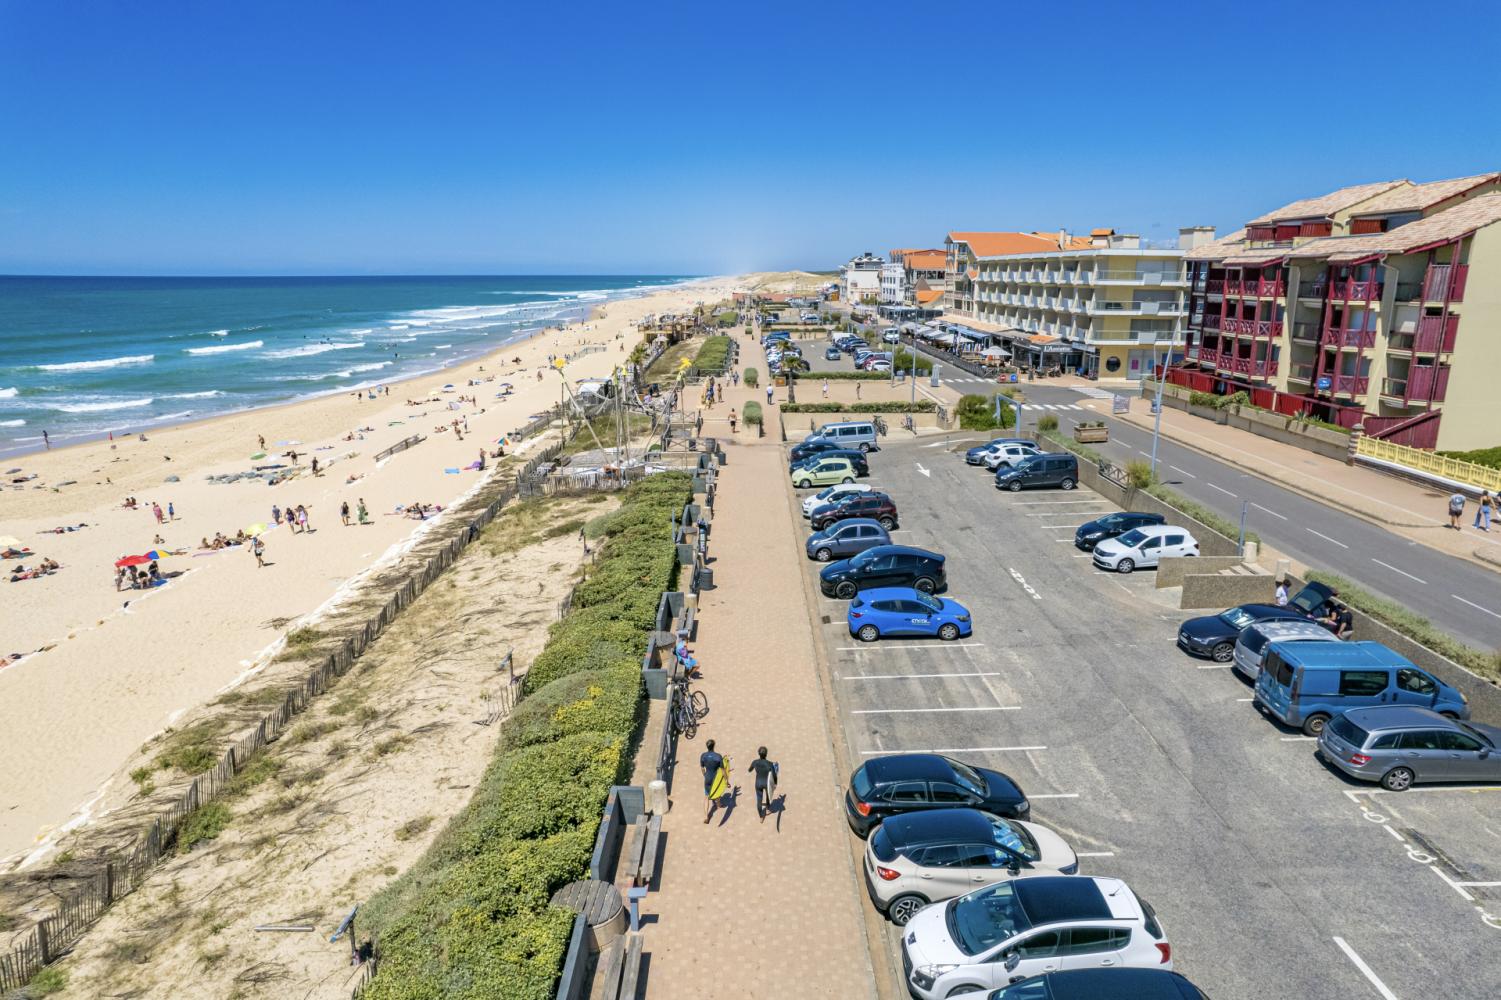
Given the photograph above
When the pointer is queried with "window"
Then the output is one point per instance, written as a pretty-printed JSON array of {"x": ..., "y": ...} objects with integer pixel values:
[
  {"x": 907, "y": 791},
  {"x": 1173, "y": 540},
  {"x": 1151, "y": 543},
  {"x": 1415, "y": 681},
  {"x": 1461, "y": 742},
  {"x": 1386, "y": 741},
  {"x": 1093, "y": 940},
  {"x": 1422, "y": 739},
  {"x": 938, "y": 857},
  {"x": 1348, "y": 731},
  {"x": 1362, "y": 683},
  {"x": 945, "y": 792},
  {"x": 1043, "y": 945},
  {"x": 1112, "y": 364}
]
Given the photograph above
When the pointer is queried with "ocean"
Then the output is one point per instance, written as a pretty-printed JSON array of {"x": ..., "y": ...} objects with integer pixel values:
[{"x": 83, "y": 357}]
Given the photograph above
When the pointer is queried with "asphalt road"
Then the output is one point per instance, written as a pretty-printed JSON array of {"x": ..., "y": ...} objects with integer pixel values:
[{"x": 1274, "y": 876}]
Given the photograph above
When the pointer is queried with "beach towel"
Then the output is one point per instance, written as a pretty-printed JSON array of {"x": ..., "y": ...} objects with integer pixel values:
[{"x": 452, "y": 472}]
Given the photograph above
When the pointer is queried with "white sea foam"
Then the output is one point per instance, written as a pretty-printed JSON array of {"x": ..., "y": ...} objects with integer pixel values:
[
  {"x": 12, "y": 423},
  {"x": 78, "y": 366},
  {"x": 442, "y": 347},
  {"x": 171, "y": 416},
  {"x": 11, "y": 393},
  {"x": 371, "y": 368},
  {"x": 227, "y": 347},
  {"x": 218, "y": 333},
  {"x": 113, "y": 404},
  {"x": 311, "y": 349},
  {"x": 194, "y": 395}
]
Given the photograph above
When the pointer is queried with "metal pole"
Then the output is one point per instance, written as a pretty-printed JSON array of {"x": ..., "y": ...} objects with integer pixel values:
[
  {"x": 1157, "y": 423},
  {"x": 1244, "y": 505}
]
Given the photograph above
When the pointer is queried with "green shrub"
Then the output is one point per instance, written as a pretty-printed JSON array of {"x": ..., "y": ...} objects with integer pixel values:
[
  {"x": 751, "y": 378},
  {"x": 902, "y": 361},
  {"x": 205, "y": 824},
  {"x": 1069, "y": 444},
  {"x": 1047, "y": 422},
  {"x": 1139, "y": 475},
  {"x": 713, "y": 355},
  {"x": 46, "y": 982},
  {"x": 1217, "y": 402},
  {"x": 543, "y": 790},
  {"x": 752, "y": 411},
  {"x": 977, "y": 413},
  {"x": 605, "y": 701},
  {"x": 850, "y": 376},
  {"x": 1481, "y": 456}
]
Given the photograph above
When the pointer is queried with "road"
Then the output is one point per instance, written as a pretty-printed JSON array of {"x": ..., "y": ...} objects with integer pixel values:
[{"x": 1274, "y": 875}]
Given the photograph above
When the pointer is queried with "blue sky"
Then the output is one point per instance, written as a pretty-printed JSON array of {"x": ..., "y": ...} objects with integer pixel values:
[{"x": 454, "y": 137}]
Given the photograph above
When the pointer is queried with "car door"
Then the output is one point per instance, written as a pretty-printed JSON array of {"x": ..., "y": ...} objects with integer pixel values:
[
  {"x": 1095, "y": 947},
  {"x": 1149, "y": 551},
  {"x": 1414, "y": 687},
  {"x": 986, "y": 863},
  {"x": 1462, "y": 760},
  {"x": 877, "y": 572},
  {"x": 1423, "y": 751},
  {"x": 1035, "y": 954},
  {"x": 842, "y": 541},
  {"x": 1172, "y": 545},
  {"x": 1359, "y": 688},
  {"x": 940, "y": 874},
  {"x": 905, "y": 796},
  {"x": 919, "y": 618}
]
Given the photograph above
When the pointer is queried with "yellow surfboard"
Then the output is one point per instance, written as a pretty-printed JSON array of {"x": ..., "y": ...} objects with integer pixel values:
[{"x": 721, "y": 783}]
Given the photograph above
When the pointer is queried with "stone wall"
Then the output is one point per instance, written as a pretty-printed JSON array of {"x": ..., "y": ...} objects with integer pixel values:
[
  {"x": 1171, "y": 570},
  {"x": 1212, "y": 590}
]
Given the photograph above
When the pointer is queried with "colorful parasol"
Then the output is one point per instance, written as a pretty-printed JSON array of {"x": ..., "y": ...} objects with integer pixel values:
[
  {"x": 131, "y": 561},
  {"x": 255, "y": 529}
]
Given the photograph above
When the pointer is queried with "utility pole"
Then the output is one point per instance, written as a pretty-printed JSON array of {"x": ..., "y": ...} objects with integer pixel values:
[{"x": 1157, "y": 424}]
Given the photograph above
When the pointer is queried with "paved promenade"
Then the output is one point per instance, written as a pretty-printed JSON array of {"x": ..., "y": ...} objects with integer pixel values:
[{"x": 746, "y": 908}]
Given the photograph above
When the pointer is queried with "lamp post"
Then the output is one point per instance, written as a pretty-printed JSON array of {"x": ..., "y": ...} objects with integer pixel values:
[{"x": 1157, "y": 423}]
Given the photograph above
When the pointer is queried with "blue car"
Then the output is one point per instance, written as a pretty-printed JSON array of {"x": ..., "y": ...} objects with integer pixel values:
[
  {"x": 897, "y": 611},
  {"x": 976, "y": 455},
  {"x": 832, "y": 354},
  {"x": 846, "y": 538}
]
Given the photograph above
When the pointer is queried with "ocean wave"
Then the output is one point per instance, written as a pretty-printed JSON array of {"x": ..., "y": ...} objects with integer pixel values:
[
  {"x": 300, "y": 378},
  {"x": 441, "y": 347},
  {"x": 194, "y": 395},
  {"x": 114, "y": 404},
  {"x": 227, "y": 347},
  {"x": 171, "y": 416},
  {"x": 11, "y": 393},
  {"x": 12, "y": 423},
  {"x": 218, "y": 333},
  {"x": 78, "y": 366},
  {"x": 311, "y": 349},
  {"x": 371, "y": 368}
]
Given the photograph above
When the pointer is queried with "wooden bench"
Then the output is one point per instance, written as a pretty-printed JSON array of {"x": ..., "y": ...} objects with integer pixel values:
[
  {"x": 617, "y": 977},
  {"x": 641, "y": 857}
]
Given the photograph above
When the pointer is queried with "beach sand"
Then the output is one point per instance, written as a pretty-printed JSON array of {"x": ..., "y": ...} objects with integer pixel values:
[{"x": 119, "y": 667}]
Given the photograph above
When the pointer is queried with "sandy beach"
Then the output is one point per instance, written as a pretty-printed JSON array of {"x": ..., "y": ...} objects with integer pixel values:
[{"x": 104, "y": 671}]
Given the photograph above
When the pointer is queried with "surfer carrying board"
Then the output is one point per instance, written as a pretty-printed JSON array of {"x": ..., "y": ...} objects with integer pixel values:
[
  {"x": 766, "y": 782},
  {"x": 716, "y": 777}
]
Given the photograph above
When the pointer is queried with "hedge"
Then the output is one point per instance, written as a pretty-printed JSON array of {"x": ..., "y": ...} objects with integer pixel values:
[
  {"x": 751, "y": 377},
  {"x": 1481, "y": 456},
  {"x": 471, "y": 919},
  {"x": 869, "y": 406},
  {"x": 977, "y": 413},
  {"x": 752, "y": 413},
  {"x": 713, "y": 355}
]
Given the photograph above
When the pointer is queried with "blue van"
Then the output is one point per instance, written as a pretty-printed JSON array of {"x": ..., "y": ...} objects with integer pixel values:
[{"x": 1305, "y": 684}]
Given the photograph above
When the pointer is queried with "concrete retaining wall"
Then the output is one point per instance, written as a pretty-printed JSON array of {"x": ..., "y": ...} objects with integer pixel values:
[
  {"x": 1172, "y": 570},
  {"x": 1212, "y": 590},
  {"x": 1277, "y": 427},
  {"x": 1211, "y": 542}
]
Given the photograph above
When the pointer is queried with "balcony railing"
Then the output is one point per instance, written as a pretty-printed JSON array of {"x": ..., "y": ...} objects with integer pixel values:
[
  {"x": 1423, "y": 378},
  {"x": 1209, "y": 357},
  {"x": 1268, "y": 328},
  {"x": 1313, "y": 289},
  {"x": 1443, "y": 278},
  {"x": 1341, "y": 338},
  {"x": 1354, "y": 385},
  {"x": 1352, "y": 290},
  {"x": 1257, "y": 367},
  {"x": 1255, "y": 287},
  {"x": 1435, "y": 334},
  {"x": 1211, "y": 321},
  {"x": 1215, "y": 286},
  {"x": 1301, "y": 373}
]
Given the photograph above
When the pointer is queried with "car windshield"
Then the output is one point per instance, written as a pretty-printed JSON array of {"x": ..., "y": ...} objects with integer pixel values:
[
  {"x": 1015, "y": 839},
  {"x": 1476, "y": 733},
  {"x": 1237, "y": 618},
  {"x": 1348, "y": 731},
  {"x": 931, "y": 603},
  {"x": 968, "y": 777},
  {"x": 983, "y": 919},
  {"x": 862, "y": 558},
  {"x": 823, "y": 494},
  {"x": 1132, "y": 538}
]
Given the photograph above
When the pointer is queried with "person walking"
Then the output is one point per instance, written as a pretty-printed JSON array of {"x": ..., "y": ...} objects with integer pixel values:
[
  {"x": 258, "y": 549},
  {"x": 768, "y": 396},
  {"x": 156, "y": 511},
  {"x": 344, "y": 513},
  {"x": 275, "y": 514},
  {"x": 857, "y": 390},
  {"x": 766, "y": 782},
  {"x": 712, "y": 764},
  {"x": 1456, "y": 510},
  {"x": 362, "y": 513},
  {"x": 732, "y": 420},
  {"x": 1483, "y": 510},
  {"x": 825, "y": 388}
]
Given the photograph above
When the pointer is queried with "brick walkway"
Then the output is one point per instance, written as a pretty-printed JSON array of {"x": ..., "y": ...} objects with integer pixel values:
[{"x": 751, "y": 909}]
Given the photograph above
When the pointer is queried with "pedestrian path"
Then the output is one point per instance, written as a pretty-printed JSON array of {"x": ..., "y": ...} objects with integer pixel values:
[
  {"x": 748, "y": 908},
  {"x": 1093, "y": 391}
]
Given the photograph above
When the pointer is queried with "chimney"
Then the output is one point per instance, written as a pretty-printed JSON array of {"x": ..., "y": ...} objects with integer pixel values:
[
  {"x": 1062, "y": 239},
  {"x": 1192, "y": 237}
]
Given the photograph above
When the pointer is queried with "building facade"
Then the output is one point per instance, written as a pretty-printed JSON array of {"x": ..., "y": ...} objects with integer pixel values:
[
  {"x": 893, "y": 284},
  {"x": 860, "y": 279},
  {"x": 1373, "y": 305}
]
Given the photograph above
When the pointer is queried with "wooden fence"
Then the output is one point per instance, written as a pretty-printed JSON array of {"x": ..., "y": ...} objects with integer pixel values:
[
  {"x": 1471, "y": 474},
  {"x": 84, "y": 904},
  {"x": 401, "y": 445}
]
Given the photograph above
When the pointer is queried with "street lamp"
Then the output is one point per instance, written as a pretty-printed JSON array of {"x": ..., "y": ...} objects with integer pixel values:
[{"x": 1157, "y": 423}]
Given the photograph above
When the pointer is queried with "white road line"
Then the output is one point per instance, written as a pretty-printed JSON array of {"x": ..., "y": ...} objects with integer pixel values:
[
  {"x": 1268, "y": 510},
  {"x": 1143, "y": 454},
  {"x": 1220, "y": 488},
  {"x": 1394, "y": 569},
  {"x": 1365, "y": 970},
  {"x": 1185, "y": 472},
  {"x": 1056, "y": 795},
  {"x": 1394, "y": 833},
  {"x": 907, "y": 677},
  {"x": 929, "y": 645},
  {"x": 1452, "y": 884},
  {"x": 1094, "y": 854},
  {"x": 1326, "y": 538},
  {"x": 1297, "y": 739},
  {"x": 872, "y": 753},
  {"x": 1477, "y": 607},
  {"x": 917, "y": 711},
  {"x": 1215, "y": 666}
]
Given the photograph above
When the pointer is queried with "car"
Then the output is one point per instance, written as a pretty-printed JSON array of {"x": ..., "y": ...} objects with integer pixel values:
[
  {"x": 1047, "y": 469},
  {"x": 884, "y": 566},
  {"x": 1103, "y": 984},
  {"x": 1007, "y": 456},
  {"x": 830, "y": 494},
  {"x": 1009, "y": 931},
  {"x": 1305, "y": 684},
  {"x": 846, "y": 538},
  {"x": 849, "y": 433},
  {"x": 876, "y": 365},
  {"x": 1144, "y": 548},
  {"x": 832, "y": 354},
  {"x": 1251, "y": 647},
  {"x": 811, "y": 446},
  {"x": 1399, "y": 746},
  {"x": 1214, "y": 636},
  {"x": 891, "y": 336},
  {"x": 1091, "y": 533},
  {"x": 900, "y": 783},
  {"x": 856, "y": 457},
  {"x": 874, "y": 504},
  {"x": 976, "y": 455},
  {"x": 827, "y": 472},
  {"x": 906, "y": 611},
  {"x": 920, "y": 858}
]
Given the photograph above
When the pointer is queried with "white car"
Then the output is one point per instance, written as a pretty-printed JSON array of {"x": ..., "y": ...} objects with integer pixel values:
[
  {"x": 916, "y": 858},
  {"x": 891, "y": 336},
  {"x": 830, "y": 494},
  {"x": 1144, "y": 547},
  {"x": 1007, "y": 455},
  {"x": 1003, "y": 933},
  {"x": 1250, "y": 647}
]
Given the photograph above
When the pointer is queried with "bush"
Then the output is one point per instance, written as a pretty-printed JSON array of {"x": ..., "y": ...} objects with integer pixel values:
[
  {"x": 1047, "y": 422},
  {"x": 1217, "y": 402},
  {"x": 1139, "y": 475},
  {"x": 1069, "y": 444},
  {"x": 1490, "y": 457},
  {"x": 902, "y": 361},
  {"x": 751, "y": 377},
  {"x": 604, "y": 701},
  {"x": 977, "y": 413},
  {"x": 547, "y": 789},
  {"x": 752, "y": 412},
  {"x": 851, "y": 376},
  {"x": 714, "y": 355}
]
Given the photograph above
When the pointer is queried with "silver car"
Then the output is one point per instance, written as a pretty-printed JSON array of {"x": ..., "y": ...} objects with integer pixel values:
[
  {"x": 1250, "y": 648},
  {"x": 1400, "y": 745}
]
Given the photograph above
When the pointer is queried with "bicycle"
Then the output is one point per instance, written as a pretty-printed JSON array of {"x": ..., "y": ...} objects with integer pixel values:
[{"x": 687, "y": 708}]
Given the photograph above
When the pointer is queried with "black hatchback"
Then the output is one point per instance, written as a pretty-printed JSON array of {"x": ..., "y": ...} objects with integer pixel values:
[
  {"x": 1091, "y": 533},
  {"x": 1102, "y": 984},
  {"x": 1214, "y": 635},
  {"x": 884, "y": 566},
  {"x": 907, "y": 782}
]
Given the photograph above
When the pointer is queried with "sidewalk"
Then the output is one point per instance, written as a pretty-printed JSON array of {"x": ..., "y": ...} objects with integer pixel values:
[{"x": 745, "y": 908}]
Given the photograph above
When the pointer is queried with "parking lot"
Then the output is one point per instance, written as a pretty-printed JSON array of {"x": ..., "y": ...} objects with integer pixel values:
[{"x": 1274, "y": 875}]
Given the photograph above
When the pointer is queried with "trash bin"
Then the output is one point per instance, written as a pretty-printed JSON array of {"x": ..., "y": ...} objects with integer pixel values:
[{"x": 705, "y": 578}]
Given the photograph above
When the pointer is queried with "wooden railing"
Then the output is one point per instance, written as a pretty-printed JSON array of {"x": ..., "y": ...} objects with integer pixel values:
[{"x": 1480, "y": 477}]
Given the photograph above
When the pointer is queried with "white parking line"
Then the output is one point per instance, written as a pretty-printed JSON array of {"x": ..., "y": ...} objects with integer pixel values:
[
  {"x": 1185, "y": 472},
  {"x": 872, "y": 753},
  {"x": 918, "y": 711},
  {"x": 1268, "y": 510},
  {"x": 1220, "y": 488},
  {"x": 1094, "y": 854},
  {"x": 1214, "y": 666},
  {"x": 1326, "y": 538},
  {"x": 1477, "y": 607},
  {"x": 1069, "y": 527},
  {"x": 1246, "y": 700},
  {"x": 1297, "y": 739},
  {"x": 1056, "y": 795},
  {"x": 1044, "y": 503},
  {"x": 929, "y": 645},
  {"x": 907, "y": 677},
  {"x": 1394, "y": 569},
  {"x": 1452, "y": 884},
  {"x": 1479, "y": 885},
  {"x": 1365, "y": 970}
]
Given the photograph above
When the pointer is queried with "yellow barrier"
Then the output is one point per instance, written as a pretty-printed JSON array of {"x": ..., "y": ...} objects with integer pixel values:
[{"x": 1479, "y": 476}]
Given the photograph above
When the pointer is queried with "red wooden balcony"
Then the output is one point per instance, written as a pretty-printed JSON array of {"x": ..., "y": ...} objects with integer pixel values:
[
  {"x": 1354, "y": 385},
  {"x": 1436, "y": 333},
  {"x": 1336, "y": 337},
  {"x": 1425, "y": 382},
  {"x": 1215, "y": 286},
  {"x": 1257, "y": 367},
  {"x": 1442, "y": 278},
  {"x": 1209, "y": 357},
  {"x": 1231, "y": 324},
  {"x": 1353, "y": 290},
  {"x": 1268, "y": 328},
  {"x": 1265, "y": 286}
]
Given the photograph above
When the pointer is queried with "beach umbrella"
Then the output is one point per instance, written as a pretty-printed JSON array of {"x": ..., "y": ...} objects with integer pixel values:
[
  {"x": 255, "y": 529},
  {"x": 155, "y": 554},
  {"x": 258, "y": 455},
  {"x": 9, "y": 540},
  {"x": 131, "y": 561}
]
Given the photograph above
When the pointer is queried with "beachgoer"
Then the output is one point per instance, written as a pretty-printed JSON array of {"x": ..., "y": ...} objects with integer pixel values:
[
  {"x": 1456, "y": 508},
  {"x": 315, "y": 465},
  {"x": 262, "y": 439},
  {"x": 47, "y": 440},
  {"x": 364, "y": 515},
  {"x": 258, "y": 549},
  {"x": 302, "y": 517},
  {"x": 156, "y": 512},
  {"x": 732, "y": 421},
  {"x": 275, "y": 514},
  {"x": 344, "y": 513},
  {"x": 766, "y": 773},
  {"x": 1483, "y": 510},
  {"x": 171, "y": 511},
  {"x": 710, "y": 763}
]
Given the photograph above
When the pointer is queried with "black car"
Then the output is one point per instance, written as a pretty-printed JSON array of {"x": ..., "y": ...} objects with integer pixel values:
[
  {"x": 1091, "y": 533},
  {"x": 1103, "y": 984},
  {"x": 907, "y": 782},
  {"x": 873, "y": 504},
  {"x": 857, "y": 458},
  {"x": 1214, "y": 635},
  {"x": 1046, "y": 469},
  {"x": 812, "y": 446},
  {"x": 883, "y": 566}
]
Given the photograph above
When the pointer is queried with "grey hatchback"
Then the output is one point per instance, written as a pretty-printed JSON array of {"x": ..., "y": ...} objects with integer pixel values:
[
  {"x": 1401, "y": 745},
  {"x": 843, "y": 539}
]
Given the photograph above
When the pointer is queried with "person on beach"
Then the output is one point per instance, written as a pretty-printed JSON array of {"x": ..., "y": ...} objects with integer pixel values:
[
  {"x": 315, "y": 466},
  {"x": 258, "y": 549},
  {"x": 363, "y": 514},
  {"x": 344, "y": 513},
  {"x": 732, "y": 421},
  {"x": 262, "y": 439},
  {"x": 156, "y": 512},
  {"x": 275, "y": 514},
  {"x": 711, "y": 764},
  {"x": 302, "y": 518},
  {"x": 171, "y": 511},
  {"x": 47, "y": 440},
  {"x": 766, "y": 775}
]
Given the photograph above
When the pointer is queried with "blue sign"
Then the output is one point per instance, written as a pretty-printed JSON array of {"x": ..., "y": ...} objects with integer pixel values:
[{"x": 1325, "y": 382}]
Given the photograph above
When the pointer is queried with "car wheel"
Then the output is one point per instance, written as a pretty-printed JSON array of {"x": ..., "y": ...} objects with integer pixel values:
[
  {"x": 847, "y": 480},
  {"x": 1398, "y": 779},
  {"x": 1125, "y": 566},
  {"x": 1067, "y": 483},
  {"x": 823, "y": 555},
  {"x": 845, "y": 590},
  {"x": 1015, "y": 486},
  {"x": 869, "y": 633},
  {"x": 923, "y": 584},
  {"x": 887, "y": 523},
  {"x": 1223, "y": 653},
  {"x": 904, "y": 908},
  {"x": 948, "y": 631},
  {"x": 803, "y": 484},
  {"x": 1314, "y": 724}
]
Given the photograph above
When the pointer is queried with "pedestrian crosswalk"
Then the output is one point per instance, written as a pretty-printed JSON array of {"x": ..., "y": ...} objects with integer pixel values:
[
  {"x": 1093, "y": 392},
  {"x": 1053, "y": 406}
]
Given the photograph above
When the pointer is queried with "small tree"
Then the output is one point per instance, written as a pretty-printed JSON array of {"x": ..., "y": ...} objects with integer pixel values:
[
  {"x": 1047, "y": 422},
  {"x": 976, "y": 413},
  {"x": 751, "y": 378},
  {"x": 1139, "y": 474}
]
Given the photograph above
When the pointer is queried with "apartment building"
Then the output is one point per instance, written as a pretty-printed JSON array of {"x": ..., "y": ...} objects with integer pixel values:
[
  {"x": 1374, "y": 305},
  {"x": 962, "y": 252},
  {"x": 908, "y": 272},
  {"x": 860, "y": 279},
  {"x": 1102, "y": 304}
]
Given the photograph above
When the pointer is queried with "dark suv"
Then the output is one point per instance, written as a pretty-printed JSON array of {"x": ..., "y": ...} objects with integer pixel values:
[
  {"x": 883, "y": 566},
  {"x": 857, "y": 458},
  {"x": 874, "y": 505},
  {"x": 1091, "y": 533},
  {"x": 908, "y": 782},
  {"x": 1048, "y": 469},
  {"x": 812, "y": 446}
]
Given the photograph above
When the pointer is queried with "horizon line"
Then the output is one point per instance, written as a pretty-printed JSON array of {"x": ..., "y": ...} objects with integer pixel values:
[{"x": 392, "y": 274}]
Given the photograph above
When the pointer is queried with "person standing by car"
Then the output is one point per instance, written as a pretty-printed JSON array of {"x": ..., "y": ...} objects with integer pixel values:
[
  {"x": 1282, "y": 593},
  {"x": 766, "y": 781},
  {"x": 711, "y": 764}
]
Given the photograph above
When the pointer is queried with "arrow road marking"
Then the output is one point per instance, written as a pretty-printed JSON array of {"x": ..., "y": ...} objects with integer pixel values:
[{"x": 924, "y": 471}]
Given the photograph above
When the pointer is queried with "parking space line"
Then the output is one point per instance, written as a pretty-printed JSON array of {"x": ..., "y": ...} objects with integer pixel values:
[
  {"x": 917, "y": 711},
  {"x": 1326, "y": 538},
  {"x": 871, "y": 647},
  {"x": 905, "y": 677},
  {"x": 1452, "y": 884},
  {"x": 1058, "y": 503},
  {"x": 1070, "y": 527},
  {"x": 1268, "y": 510},
  {"x": 1365, "y": 970},
  {"x": 1215, "y": 666},
  {"x": 1084, "y": 555},
  {"x": 1394, "y": 569},
  {"x": 1477, "y": 607},
  {"x": 872, "y": 753},
  {"x": 1479, "y": 885},
  {"x": 1220, "y": 488},
  {"x": 1298, "y": 739},
  {"x": 1393, "y": 831},
  {"x": 1094, "y": 854},
  {"x": 1056, "y": 795}
]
